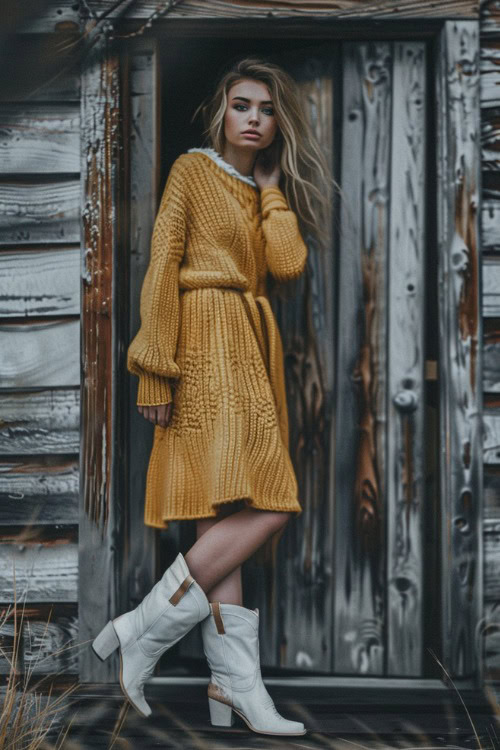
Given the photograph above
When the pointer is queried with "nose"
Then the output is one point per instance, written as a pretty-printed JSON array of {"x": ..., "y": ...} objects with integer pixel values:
[{"x": 253, "y": 117}]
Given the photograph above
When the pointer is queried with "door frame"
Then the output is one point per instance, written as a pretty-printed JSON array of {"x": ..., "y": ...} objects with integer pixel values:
[{"x": 116, "y": 565}]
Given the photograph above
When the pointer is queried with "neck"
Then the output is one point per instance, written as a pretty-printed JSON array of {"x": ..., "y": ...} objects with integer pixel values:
[{"x": 242, "y": 159}]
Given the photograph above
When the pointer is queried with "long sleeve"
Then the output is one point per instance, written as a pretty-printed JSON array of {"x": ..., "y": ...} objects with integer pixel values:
[
  {"x": 151, "y": 354},
  {"x": 286, "y": 251}
]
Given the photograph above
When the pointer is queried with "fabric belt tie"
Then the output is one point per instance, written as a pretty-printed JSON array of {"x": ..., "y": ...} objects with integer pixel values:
[{"x": 267, "y": 333}]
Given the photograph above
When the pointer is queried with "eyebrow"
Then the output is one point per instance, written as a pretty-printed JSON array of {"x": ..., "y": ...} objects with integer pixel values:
[{"x": 264, "y": 101}]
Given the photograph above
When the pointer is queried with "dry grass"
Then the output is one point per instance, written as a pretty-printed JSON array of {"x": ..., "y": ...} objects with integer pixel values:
[{"x": 30, "y": 717}]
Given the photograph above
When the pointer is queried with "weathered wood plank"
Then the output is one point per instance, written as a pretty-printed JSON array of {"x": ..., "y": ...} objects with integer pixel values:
[
  {"x": 490, "y": 632},
  {"x": 42, "y": 492},
  {"x": 299, "y": 630},
  {"x": 492, "y": 491},
  {"x": 360, "y": 459},
  {"x": 39, "y": 212},
  {"x": 145, "y": 170},
  {"x": 40, "y": 354},
  {"x": 490, "y": 138},
  {"x": 491, "y": 422},
  {"x": 45, "y": 571},
  {"x": 37, "y": 71},
  {"x": 40, "y": 282},
  {"x": 101, "y": 518},
  {"x": 40, "y": 138},
  {"x": 49, "y": 639},
  {"x": 490, "y": 71},
  {"x": 490, "y": 225},
  {"x": 492, "y": 560},
  {"x": 491, "y": 359},
  {"x": 491, "y": 287},
  {"x": 40, "y": 422},
  {"x": 490, "y": 18},
  {"x": 460, "y": 339},
  {"x": 64, "y": 11},
  {"x": 406, "y": 365}
]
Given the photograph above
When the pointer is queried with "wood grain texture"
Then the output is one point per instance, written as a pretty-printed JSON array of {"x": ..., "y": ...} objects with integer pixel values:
[
  {"x": 145, "y": 168},
  {"x": 45, "y": 571},
  {"x": 40, "y": 422},
  {"x": 491, "y": 560},
  {"x": 460, "y": 335},
  {"x": 490, "y": 224},
  {"x": 491, "y": 419},
  {"x": 49, "y": 640},
  {"x": 40, "y": 282},
  {"x": 101, "y": 512},
  {"x": 490, "y": 634},
  {"x": 405, "y": 500},
  {"x": 361, "y": 452},
  {"x": 61, "y": 13},
  {"x": 490, "y": 18},
  {"x": 43, "y": 492},
  {"x": 490, "y": 71},
  {"x": 300, "y": 628},
  {"x": 40, "y": 354},
  {"x": 45, "y": 211},
  {"x": 40, "y": 138},
  {"x": 491, "y": 359},
  {"x": 492, "y": 491},
  {"x": 491, "y": 287}
]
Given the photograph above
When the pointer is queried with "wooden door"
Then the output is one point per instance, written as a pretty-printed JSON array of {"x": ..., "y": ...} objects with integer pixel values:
[{"x": 366, "y": 580}]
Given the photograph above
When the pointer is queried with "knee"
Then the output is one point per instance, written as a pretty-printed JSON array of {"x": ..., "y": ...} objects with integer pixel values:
[{"x": 280, "y": 519}]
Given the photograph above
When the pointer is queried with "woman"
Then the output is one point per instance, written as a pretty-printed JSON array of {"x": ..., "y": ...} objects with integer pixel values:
[{"x": 211, "y": 379}]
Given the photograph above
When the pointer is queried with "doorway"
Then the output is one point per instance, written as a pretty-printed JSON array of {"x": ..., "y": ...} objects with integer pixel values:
[{"x": 350, "y": 593}]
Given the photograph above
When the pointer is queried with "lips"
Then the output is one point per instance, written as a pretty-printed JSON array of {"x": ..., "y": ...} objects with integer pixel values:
[{"x": 250, "y": 132}]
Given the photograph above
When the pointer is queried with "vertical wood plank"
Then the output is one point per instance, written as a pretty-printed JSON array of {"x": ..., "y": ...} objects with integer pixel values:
[
  {"x": 101, "y": 518},
  {"x": 460, "y": 332},
  {"x": 405, "y": 366},
  {"x": 300, "y": 615},
  {"x": 145, "y": 168},
  {"x": 361, "y": 361}
]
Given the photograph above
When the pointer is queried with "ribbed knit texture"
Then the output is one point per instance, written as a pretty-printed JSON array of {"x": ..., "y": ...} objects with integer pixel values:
[{"x": 208, "y": 341}]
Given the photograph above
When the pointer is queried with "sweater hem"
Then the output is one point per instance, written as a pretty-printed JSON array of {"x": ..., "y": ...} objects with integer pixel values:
[{"x": 250, "y": 504}]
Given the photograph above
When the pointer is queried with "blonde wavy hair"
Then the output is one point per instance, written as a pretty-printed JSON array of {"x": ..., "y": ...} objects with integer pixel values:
[{"x": 305, "y": 175}]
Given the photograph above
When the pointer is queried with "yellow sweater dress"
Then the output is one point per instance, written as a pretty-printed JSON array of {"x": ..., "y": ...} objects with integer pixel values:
[{"x": 209, "y": 342}]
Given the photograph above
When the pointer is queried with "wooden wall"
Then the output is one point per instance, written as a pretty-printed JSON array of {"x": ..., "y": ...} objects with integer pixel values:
[
  {"x": 40, "y": 370},
  {"x": 490, "y": 229}
]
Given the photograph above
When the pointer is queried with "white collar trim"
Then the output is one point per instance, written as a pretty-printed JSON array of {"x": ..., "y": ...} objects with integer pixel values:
[{"x": 217, "y": 158}]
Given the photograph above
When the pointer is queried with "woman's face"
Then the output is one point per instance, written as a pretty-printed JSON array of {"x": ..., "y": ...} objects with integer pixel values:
[{"x": 249, "y": 108}]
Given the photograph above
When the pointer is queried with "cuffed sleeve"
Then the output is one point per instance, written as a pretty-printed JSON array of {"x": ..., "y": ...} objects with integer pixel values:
[
  {"x": 153, "y": 390},
  {"x": 286, "y": 251},
  {"x": 151, "y": 354}
]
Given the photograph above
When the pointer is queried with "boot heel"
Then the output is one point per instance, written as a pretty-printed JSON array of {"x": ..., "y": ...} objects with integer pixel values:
[
  {"x": 221, "y": 715},
  {"x": 106, "y": 642}
]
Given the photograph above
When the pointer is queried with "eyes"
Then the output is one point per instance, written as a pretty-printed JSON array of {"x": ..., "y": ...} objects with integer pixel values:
[{"x": 266, "y": 110}]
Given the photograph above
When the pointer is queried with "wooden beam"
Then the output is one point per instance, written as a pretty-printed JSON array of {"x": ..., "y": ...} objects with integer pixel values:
[
  {"x": 101, "y": 512},
  {"x": 460, "y": 342},
  {"x": 62, "y": 15}
]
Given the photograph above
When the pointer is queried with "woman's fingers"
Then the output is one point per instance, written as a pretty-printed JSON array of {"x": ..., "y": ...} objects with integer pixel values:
[{"x": 157, "y": 414}]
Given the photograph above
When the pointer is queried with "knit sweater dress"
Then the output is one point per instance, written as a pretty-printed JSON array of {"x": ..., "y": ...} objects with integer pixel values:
[{"x": 209, "y": 342}]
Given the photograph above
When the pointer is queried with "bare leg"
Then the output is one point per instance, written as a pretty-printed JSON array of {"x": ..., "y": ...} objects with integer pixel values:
[
  {"x": 229, "y": 589},
  {"x": 231, "y": 541}
]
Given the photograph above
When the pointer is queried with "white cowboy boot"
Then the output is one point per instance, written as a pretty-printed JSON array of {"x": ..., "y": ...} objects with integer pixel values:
[
  {"x": 231, "y": 644},
  {"x": 171, "y": 609}
]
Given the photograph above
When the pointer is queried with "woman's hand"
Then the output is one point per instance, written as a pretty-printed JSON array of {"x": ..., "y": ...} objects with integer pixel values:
[
  {"x": 267, "y": 170},
  {"x": 160, "y": 414}
]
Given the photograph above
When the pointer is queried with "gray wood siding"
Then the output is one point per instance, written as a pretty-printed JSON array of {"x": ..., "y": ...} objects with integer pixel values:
[
  {"x": 490, "y": 242},
  {"x": 40, "y": 373},
  {"x": 460, "y": 335},
  {"x": 59, "y": 14}
]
